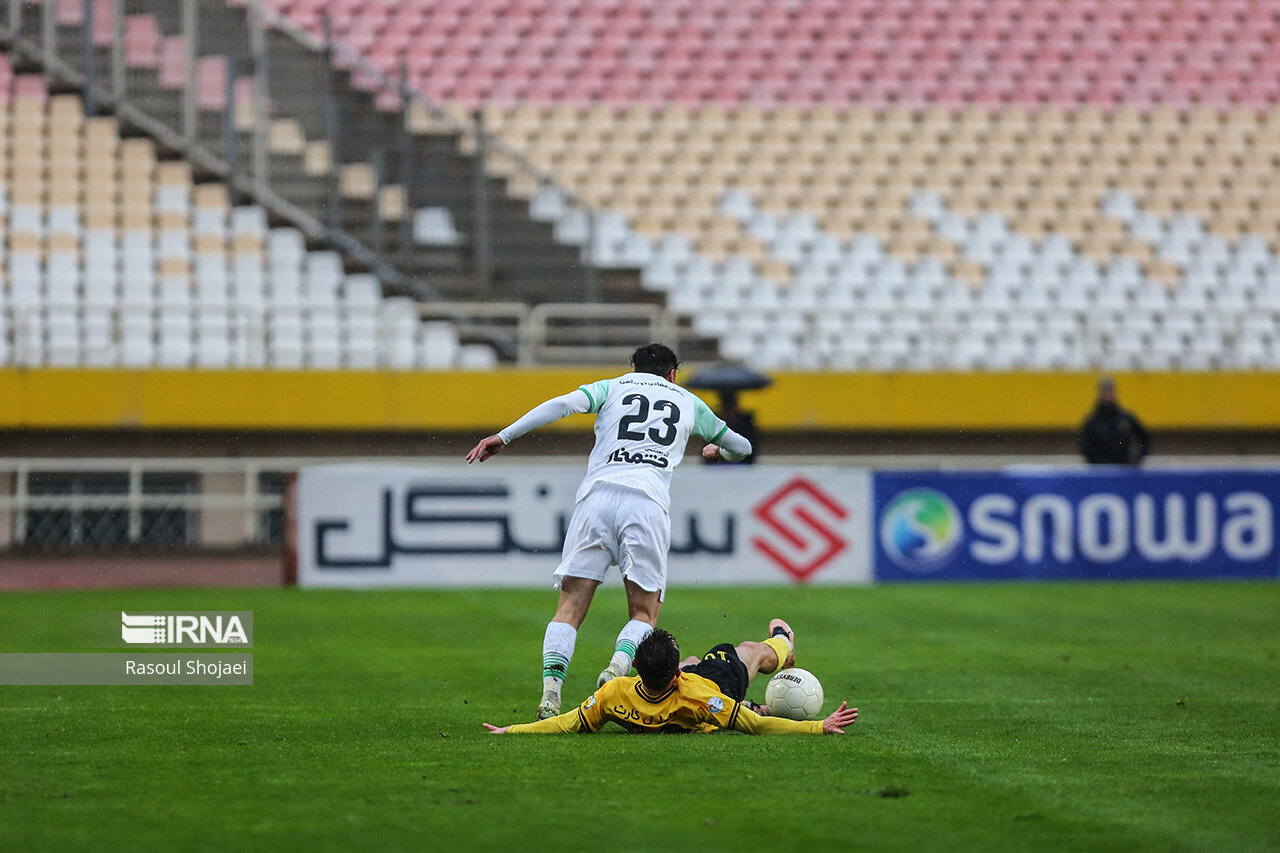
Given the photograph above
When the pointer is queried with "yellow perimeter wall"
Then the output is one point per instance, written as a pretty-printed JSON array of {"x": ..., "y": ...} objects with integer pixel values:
[{"x": 340, "y": 400}]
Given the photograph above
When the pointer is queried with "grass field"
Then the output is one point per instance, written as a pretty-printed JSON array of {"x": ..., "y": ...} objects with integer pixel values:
[{"x": 993, "y": 717}]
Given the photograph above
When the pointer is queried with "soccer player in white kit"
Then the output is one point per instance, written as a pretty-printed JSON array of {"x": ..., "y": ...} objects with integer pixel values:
[{"x": 621, "y": 515}]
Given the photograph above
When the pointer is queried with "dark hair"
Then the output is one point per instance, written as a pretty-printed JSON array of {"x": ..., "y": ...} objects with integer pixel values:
[
  {"x": 657, "y": 359},
  {"x": 657, "y": 659}
]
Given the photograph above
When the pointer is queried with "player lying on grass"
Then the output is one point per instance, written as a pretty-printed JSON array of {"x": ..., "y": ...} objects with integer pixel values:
[
  {"x": 621, "y": 516},
  {"x": 671, "y": 695}
]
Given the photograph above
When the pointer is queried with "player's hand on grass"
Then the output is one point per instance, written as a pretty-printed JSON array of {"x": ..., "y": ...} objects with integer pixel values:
[
  {"x": 496, "y": 730},
  {"x": 711, "y": 452},
  {"x": 487, "y": 447},
  {"x": 841, "y": 717}
]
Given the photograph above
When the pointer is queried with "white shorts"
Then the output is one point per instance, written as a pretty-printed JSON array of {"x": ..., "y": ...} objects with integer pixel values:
[{"x": 617, "y": 526}]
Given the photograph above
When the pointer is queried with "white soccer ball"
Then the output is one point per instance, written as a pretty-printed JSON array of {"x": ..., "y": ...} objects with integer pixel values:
[{"x": 795, "y": 694}]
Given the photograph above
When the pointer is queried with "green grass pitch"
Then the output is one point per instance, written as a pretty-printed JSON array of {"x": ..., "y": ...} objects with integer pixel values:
[{"x": 993, "y": 717}]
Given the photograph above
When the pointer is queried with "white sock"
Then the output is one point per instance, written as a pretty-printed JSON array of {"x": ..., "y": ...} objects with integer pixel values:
[
  {"x": 557, "y": 651},
  {"x": 624, "y": 651}
]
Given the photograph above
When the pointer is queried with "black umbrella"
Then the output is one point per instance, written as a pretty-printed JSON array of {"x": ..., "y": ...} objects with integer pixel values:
[
  {"x": 728, "y": 380},
  {"x": 728, "y": 377}
]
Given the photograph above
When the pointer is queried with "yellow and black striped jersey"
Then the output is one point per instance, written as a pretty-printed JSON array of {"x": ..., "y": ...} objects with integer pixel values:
[{"x": 692, "y": 704}]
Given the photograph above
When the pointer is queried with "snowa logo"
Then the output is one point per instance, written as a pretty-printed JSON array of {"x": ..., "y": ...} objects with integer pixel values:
[
  {"x": 920, "y": 529},
  {"x": 1108, "y": 528}
]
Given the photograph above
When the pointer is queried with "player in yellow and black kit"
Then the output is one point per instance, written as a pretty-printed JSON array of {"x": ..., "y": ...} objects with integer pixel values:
[{"x": 670, "y": 695}]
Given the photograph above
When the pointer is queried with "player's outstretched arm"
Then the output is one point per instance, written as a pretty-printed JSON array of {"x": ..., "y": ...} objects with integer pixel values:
[
  {"x": 733, "y": 447},
  {"x": 840, "y": 717},
  {"x": 575, "y": 402},
  {"x": 490, "y": 446},
  {"x": 730, "y": 446},
  {"x": 567, "y": 723}
]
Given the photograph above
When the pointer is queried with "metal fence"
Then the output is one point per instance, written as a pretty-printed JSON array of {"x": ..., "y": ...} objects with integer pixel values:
[
  {"x": 111, "y": 504},
  {"x": 57, "y": 506},
  {"x": 566, "y": 333}
]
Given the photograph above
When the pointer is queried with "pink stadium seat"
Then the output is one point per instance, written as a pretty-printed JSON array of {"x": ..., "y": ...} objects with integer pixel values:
[
  {"x": 142, "y": 41},
  {"x": 70, "y": 12},
  {"x": 103, "y": 22},
  {"x": 957, "y": 90},
  {"x": 172, "y": 58},
  {"x": 211, "y": 82},
  {"x": 956, "y": 51}
]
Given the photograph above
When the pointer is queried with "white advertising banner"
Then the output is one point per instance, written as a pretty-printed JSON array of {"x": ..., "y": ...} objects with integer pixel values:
[{"x": 455, "y": 525}]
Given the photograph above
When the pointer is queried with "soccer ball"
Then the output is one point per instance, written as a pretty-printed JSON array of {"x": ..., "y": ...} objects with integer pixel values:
[{"x": 795, "y": 694}]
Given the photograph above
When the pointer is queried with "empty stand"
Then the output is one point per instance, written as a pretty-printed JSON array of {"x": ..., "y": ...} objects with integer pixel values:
[
  {"x": 1028, "y": 52},
  {"x": 923, "y": 186},
  {"x": 848, "y": 184},
  {"x": 114, "y": 257},
  {"x": 387, "y": 182}
]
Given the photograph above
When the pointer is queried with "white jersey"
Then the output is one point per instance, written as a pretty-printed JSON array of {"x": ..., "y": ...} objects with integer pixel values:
[
  {"x": 643, "y": 423},
  {"x": 641, "y": 427}
]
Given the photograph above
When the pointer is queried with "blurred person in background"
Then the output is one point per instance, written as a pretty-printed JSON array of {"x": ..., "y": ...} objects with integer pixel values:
[
  {"x": 741, "y": 421},
  {"x": 1112, "y": 435}
]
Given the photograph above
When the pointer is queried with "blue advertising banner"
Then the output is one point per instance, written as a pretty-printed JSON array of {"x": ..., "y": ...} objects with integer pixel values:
[{"x": 1058, "y": 524}]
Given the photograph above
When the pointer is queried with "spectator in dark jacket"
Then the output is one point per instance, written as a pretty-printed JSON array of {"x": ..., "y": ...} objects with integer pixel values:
[
  {"x": 1112, "y": 435},
  {"x": 740, "y": 421}
]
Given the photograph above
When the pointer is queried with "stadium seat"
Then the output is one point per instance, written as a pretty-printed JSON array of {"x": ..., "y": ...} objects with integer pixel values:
[
  {"x": 118, "y": 258},
  {"x": 907, "y": 159},
  {"x": 433, "y": 226}
]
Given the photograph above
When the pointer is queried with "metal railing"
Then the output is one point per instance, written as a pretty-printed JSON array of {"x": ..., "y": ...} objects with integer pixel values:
[
  {"x": 549, "y": 333},
  {"x": 606, "y": 334},
  {"x": 567, "y": 333},
  {"x": 196, "y": 105},
  {"x": 123, "y": 503},
  {"x": 117, "y": 87},
  {"x": 219, "y": 89}
]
